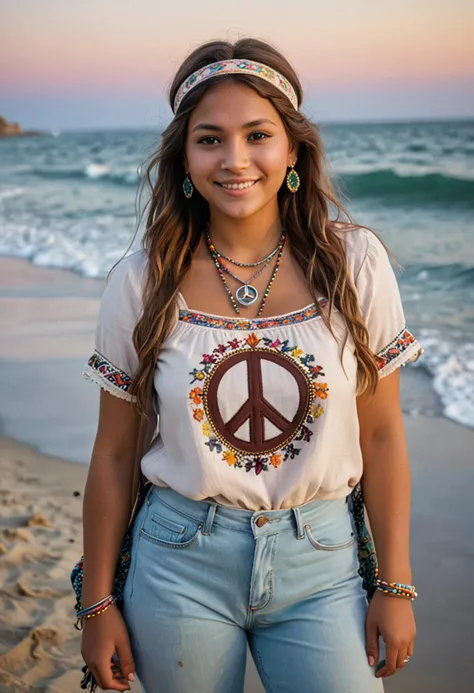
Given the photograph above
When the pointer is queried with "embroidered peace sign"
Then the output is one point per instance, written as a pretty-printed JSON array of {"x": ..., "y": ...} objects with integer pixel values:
[
  {"x": 258, "y": 427},
  {"x": 256, "y": 404}
]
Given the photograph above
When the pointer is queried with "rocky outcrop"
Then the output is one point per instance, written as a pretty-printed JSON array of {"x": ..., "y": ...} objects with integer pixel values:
[{"x": 15, "y": 130}]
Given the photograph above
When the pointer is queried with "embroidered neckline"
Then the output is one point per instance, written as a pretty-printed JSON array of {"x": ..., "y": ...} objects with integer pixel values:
[{"x": 224, "y": 323}]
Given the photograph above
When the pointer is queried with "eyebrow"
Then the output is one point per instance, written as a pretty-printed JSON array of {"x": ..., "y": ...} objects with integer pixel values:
[{"x": 216, "y": 128}]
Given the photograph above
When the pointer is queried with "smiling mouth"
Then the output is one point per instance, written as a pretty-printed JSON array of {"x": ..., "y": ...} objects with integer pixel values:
[{"x": 238, "y": 186}]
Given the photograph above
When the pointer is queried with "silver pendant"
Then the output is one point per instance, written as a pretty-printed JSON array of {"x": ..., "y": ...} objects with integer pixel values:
[{"x": 246, "y": 294}]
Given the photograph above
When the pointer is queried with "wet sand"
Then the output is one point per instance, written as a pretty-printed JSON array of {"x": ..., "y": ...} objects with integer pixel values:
[{"x": 47, "y": 318}]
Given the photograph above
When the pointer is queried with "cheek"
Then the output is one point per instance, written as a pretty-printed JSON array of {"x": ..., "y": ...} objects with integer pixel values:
[
  {"x": 272, "y": 160},
  {"x": 199, "y": 160}
]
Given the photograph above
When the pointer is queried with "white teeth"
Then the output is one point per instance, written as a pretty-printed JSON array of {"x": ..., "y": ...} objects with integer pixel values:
[{"x": 238, "y": 186}]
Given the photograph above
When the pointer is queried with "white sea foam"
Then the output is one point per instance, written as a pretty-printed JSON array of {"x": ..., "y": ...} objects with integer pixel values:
[
  {"x": 452, "y": 368},
  {"x": 7, "y": 193},
  {"x": 96, "y": 171},
  {"x": 87, "y": 247}
]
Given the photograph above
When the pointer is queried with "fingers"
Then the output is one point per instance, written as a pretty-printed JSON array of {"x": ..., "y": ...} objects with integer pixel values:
[
  {"x": 390, "y": 666},
  {"x": 372, "y": 643},
  {"x": 108, "y": 674},
  {"x": 126, "y": 663},
  {"x": 106, "y": 678},
  {"x": 396, "y": 658},
  {"x": 402, "y": 657}
]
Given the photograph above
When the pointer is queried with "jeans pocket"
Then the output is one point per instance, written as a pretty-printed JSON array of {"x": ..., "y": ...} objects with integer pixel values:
[
  {"x": 165, "y": 526},
  {"x": 165, "y": 529},
  {"x": 326, "y": 542}
]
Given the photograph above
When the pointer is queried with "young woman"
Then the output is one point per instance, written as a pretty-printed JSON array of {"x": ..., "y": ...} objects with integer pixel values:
[{"x": 259, "y": 331}]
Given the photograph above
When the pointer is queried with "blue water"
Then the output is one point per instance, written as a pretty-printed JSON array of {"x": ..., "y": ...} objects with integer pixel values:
[{"x": 69, "y": 201}]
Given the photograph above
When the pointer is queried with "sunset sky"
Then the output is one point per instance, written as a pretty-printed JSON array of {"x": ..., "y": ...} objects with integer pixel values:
[{"x": 107, "y": 63}]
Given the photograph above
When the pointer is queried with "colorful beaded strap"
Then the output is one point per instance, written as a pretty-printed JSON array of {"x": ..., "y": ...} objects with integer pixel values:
[{"x": 236, "y": 67}]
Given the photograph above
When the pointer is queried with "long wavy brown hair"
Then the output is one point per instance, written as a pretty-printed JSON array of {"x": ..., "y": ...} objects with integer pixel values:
[{"x": 174, "y": 225}]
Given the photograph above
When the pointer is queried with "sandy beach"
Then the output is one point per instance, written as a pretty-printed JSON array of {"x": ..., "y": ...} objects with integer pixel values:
[{"x": 47, "y": 319}]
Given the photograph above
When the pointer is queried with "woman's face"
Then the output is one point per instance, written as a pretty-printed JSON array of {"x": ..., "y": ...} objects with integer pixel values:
[{"x": 237, "y": 151}]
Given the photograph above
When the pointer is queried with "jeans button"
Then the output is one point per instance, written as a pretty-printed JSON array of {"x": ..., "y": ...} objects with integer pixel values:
[{"x": 262, "y": 520}]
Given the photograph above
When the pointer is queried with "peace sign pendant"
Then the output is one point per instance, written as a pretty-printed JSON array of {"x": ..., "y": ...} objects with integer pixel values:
[{"x": 246, "y": 294}]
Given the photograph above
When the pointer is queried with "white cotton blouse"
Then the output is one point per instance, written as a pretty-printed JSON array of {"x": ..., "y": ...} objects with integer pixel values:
[{"x": 255, "y": 413}]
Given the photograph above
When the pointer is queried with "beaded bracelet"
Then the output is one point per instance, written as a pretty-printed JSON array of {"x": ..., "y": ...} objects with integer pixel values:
[
  {"x": 396, "y": 589},
  {"x": 95, "y": 608},
  {"x": 101, "y": 611}
]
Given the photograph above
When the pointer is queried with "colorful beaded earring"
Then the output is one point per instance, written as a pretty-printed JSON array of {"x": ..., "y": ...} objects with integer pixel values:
[
  {"x": 293, "y": 179},
  {"x": 188, "y": 187}
]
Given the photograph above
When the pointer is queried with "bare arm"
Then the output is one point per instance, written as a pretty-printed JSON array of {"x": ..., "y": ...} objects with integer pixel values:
[
  {"x": 386, "y": 480},
  {"x": 386, "y": 486},
  {"x": 108, "y": 502},
  {"x": 109, "y": 494}
]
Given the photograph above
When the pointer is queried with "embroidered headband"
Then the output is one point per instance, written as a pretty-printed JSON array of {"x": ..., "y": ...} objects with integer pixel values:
[{"x": 236, "y": 67}]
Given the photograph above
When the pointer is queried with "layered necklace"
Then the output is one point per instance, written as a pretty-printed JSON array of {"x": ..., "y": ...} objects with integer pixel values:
[{"x": 246, "y": 294}]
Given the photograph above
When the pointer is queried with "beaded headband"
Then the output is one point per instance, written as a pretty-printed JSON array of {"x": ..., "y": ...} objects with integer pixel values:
[{"x": 236, "y": 67}]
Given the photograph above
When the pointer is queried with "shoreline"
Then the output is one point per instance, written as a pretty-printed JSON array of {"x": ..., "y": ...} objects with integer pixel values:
[{"x": 48, "y": 319}]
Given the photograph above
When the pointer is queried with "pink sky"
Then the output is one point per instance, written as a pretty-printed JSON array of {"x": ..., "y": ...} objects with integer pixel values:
[{"x": 59, "y": 48}]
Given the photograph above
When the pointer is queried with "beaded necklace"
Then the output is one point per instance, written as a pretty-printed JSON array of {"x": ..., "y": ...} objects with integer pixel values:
[
  {"x": 246, "y": 294},
  {"x": 265, "y": 260}
]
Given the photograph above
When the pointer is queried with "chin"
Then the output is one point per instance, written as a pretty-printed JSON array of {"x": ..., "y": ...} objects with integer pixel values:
[
  {"x": 239, "y": 210},
  {"x": 240, "y": 214}
]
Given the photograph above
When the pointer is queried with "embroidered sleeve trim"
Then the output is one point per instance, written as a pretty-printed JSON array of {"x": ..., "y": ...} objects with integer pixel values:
[
  {"x": 401, "y": 350},
  {"x": 110, "y": 378}
]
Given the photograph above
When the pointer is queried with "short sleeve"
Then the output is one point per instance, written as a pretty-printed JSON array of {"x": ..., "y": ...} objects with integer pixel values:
[
  {"x": 114, "y": 361},
  {"x": 381, "y": 307}
]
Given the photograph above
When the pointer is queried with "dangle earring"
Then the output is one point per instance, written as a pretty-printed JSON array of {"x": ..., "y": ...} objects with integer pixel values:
[
  {"x": 188, "y": 187},
  {"x": 293, "y": 179}
]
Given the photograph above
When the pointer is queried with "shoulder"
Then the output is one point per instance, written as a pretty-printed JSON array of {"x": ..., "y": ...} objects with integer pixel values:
[
  {"x": 362, "y": 247},
  {"x": 129, "y": 274}
]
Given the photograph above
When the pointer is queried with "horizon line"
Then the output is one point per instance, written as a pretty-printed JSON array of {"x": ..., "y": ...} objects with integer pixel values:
[{"x": 335, "y": 121}]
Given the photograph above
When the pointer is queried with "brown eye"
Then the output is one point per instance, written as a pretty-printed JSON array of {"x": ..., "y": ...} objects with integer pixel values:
[
  {"x": 259, "y": 135},
  {"x": 207, "y": 140}
]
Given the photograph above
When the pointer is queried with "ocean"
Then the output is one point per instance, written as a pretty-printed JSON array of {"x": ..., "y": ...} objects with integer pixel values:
[{"x": 69, "y": 201}]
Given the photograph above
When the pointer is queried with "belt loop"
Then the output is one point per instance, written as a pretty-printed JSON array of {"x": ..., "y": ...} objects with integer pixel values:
[
  {"x": 206, "y": 530},
  {"x": 299, "y": 523}
]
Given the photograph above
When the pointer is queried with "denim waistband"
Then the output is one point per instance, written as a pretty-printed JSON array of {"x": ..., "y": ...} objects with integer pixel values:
[{"x": 256, "y": 522}]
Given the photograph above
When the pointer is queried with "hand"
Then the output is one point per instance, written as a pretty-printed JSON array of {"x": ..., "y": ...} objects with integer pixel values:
[
  {"x": 102, "y": 637},
  {"x": 393, "y": 619}
]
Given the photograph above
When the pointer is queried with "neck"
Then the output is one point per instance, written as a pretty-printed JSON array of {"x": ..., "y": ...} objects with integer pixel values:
[{"x": 245, "y": 240}]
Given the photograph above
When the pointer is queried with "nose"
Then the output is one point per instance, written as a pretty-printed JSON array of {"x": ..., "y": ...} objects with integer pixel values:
[{"x": 235, "y": 157}]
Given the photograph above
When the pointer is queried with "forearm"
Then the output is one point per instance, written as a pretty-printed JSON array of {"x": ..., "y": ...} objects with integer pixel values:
[
  {"x": 386, "y": 486},
  {"x": 106, "y": 512}
]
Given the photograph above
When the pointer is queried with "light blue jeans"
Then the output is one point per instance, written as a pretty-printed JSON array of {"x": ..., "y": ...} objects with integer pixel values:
[{"x": 205, "y": 580}]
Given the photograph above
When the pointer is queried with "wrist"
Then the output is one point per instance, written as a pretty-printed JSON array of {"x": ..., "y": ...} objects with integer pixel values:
[
  {"x": 381, "y": 597},
  {"x": 95, "y": 593},
  {"x": 395, "y": 573}
]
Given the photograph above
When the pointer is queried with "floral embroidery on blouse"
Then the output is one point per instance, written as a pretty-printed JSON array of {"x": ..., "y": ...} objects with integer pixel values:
[
  {"x": 397, "y": 346},
  {"x": 222, "y": 437},
  {"x": 110, "y": 372},
  {"x": 204, "y": 320}
]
